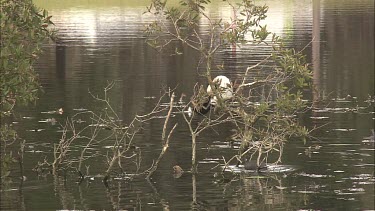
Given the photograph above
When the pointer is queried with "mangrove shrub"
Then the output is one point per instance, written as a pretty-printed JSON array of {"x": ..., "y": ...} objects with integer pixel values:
[{"x": 24, "y": 28}]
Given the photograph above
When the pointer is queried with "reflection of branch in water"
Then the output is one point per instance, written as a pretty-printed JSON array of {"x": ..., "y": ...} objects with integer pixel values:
[
  {"x": 112, "y": 197},
  {"x": 119, "y": 196},
  {"x": 256, "y": 190},
  {"x": 227, "y": 182},
  {"x": 164, "y": 203},
  {"x": 195, "y": 205},
  {"x": 21, "y": 196},
  {"x": 194, "y": 184},
  {"x": 66, "y": 198},
  {"x": 11, "y": 200},
  {"x": 22, "y": 177},
  {"x": 82, "y": 198}
]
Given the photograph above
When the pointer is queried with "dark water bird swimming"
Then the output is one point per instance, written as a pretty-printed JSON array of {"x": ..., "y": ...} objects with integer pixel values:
[{"x": 253, "y": 165}]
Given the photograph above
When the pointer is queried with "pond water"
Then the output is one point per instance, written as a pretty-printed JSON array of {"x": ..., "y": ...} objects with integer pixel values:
[{"x": 103, "y": 41}]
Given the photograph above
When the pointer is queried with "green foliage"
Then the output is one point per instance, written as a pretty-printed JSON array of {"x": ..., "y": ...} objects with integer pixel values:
[
  {"x": 7, "y": 137},
  {"x": 23, "y": 29},
  {"x": 7, "y": 134},
  {"x": 248, "y": 22},
  {"x": 264, "y": 127},
  {"x": 185, "y": 20}
]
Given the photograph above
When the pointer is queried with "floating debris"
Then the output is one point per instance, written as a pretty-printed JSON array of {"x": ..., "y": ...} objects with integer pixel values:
[
  {"x": 340, "y": 192},
  {"x": 177, "y": 171},
  {"x": 319, "y": 117},
  {"x": 361, "y": 177},
  {"x": 281, "y": 187},
  {"x": 98, "y": 125},
  {"x": 343, "y": 145},
  {"x": 347, "y": 199},
  {"x": 334, "y": 110},
  {"x": 50, "y": 120},
  {"x": 163, "y": 117},
  {"x": 341, "y": 100},
  {"x": 346, "y": 99},
  {"x": 270, "y": 169},
  {"x": 105, "y": 126},
  {"x": 58, "y": 111},
  {"x": 306, "y": 191},
  {"x": 79, "y": 121},
  {"x": 364, "y": 183},
  {"x": 356, "y": 189},
  {"x": 369, "y": 139},
  {"x": 28, "y": 117},
  {"x": 36, "y": 130},
  {"x": 122, "y": 178},
  {"x": 289, "y": 116},
  {"x": 111, "y": 147},
  {"x": 344, "y": 129},
  {"x": 219, "y": 145},
  {"x": 149, "y": 97},
  {"x": 350, "y": 191},
  {"x": 80, "y": 109},
  {"x": 207, "y": 162},
  {"x": 212, "y": 159},
  {"x": 365, "y": 164},
  {"x": 35, "y": 151},
  {"x": 363, "y": 154},
  {"x": 320, "y": 110},
  {"x": 314, "y": 175}
]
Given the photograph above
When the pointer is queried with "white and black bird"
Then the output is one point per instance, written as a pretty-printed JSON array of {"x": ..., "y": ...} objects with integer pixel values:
[{"x": 223, "y": 86}]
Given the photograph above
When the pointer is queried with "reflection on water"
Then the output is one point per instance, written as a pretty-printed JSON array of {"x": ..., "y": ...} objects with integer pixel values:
[{"x": 104, "y": 42}]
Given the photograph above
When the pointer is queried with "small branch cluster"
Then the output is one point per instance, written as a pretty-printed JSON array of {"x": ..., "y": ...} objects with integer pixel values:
[{"x": 104, "y": 127}]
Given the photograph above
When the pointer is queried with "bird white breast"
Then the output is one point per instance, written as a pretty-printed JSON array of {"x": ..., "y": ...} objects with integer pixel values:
[{"x": 225, "y": 88}]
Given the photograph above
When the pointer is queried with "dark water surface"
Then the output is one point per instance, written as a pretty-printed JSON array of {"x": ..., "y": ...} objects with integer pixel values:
[{"x": 103, "y": 41}]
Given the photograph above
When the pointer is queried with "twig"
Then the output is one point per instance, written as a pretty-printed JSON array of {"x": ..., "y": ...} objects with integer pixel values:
[
  {"x": 168, "y": 116},
  {"x": 165, "y": 147}
]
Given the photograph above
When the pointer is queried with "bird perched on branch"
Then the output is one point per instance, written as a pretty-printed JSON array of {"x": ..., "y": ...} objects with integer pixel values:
[{"x": 225, "y": 90}]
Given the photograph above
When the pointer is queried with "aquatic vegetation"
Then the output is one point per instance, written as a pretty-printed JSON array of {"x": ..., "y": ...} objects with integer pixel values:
[
  {"x": 262, "y": 128},
  {"x": 24, "y": 28},
  {"x": 21, "y": 40}
]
